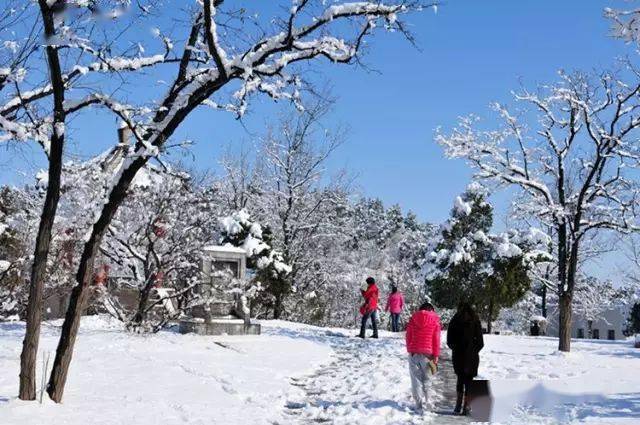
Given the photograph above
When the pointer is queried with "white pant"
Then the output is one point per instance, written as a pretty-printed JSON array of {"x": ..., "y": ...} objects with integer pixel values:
[{"x": 420, "y": 378}]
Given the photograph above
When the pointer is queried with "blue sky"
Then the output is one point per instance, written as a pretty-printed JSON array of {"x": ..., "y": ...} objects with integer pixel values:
[{"x": 472, "y": 52}]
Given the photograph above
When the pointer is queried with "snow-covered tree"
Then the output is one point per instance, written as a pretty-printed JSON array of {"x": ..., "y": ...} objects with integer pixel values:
[
  {"x": 571, "y": 152},
  {"x": 633, "y": 321},
  {"x": 226, "y": 59},
  {"x": 36, "y": 106},
  {"x": 15, "y": 227},
  {"x": 468, "y": 263},
  {"x": 271, "y": 272},
  {"x": 294, "y": 200},
  {"x": 593, "y": 297},
  {"x": 155, "y": 241},
  {"x": 625, "y": 24}
]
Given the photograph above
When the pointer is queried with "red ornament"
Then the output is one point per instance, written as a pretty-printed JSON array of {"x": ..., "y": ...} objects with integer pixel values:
[
  {"x": 159, "y": 228},
  {"x": 101, "y": 276},
  {"x": 158, "y": 279}
]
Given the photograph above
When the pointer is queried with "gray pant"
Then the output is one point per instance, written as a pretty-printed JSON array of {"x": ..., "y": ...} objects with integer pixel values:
[{"x": 420, "y": 378}]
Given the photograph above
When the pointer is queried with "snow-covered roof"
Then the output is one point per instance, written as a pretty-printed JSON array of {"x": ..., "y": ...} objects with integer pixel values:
[{"x": 225, "y": 248}]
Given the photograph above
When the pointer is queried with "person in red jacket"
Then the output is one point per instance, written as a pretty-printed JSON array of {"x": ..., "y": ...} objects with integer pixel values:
[
  {"x": 423, "y": 346},
  {"x": 370, "y": 307},
  {"x": 395, "y": 302}
]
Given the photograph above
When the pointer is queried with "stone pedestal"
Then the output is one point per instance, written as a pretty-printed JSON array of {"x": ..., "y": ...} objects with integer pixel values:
[{"x": 219, "y": 326}]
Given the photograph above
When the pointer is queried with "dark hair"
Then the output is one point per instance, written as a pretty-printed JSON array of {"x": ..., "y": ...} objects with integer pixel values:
[
  {"x": 370, "y": 280},
  {"x": 427, "y": 306},
  {"x": 466, "y": 312},
  {"x": 394, "y": 289}
]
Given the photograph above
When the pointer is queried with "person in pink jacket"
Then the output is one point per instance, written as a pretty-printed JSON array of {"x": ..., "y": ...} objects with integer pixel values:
[
  {"x": 423, "y": 346},
  {"x": 395, "y": 302}
]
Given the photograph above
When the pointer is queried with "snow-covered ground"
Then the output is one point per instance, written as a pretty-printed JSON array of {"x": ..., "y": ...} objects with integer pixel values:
[
  {"x": 167, "y": 378},
  {"x": 598, "y": 382},
  {"x": 301, "y": 374}
]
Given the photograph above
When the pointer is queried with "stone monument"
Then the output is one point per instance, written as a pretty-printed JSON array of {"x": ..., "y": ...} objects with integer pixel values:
[{"x": 225, "y": 312}]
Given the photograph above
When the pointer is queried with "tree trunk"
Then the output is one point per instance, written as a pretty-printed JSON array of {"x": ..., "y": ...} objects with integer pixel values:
[
  {"x": 277, "y": 307},
  {"x": 490, "y": 316},
  {"x": 544, "y": 301},
  {"x": 142, "y": 302},
  {"x": 566, "y": 297},
  {"x": 79, "y": 294},
  {"x": 564, "y": 316},
  {"x": 29, "y": 354},
  {"x": 564, "y": 322}
]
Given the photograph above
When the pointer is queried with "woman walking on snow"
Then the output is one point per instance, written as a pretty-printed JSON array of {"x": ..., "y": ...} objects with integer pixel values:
[
  {"x": 370, "y": 307},
  {"x": 423, "y": 346},
  {"x": 464, "y": 337},
  {"x": 395, "y": 302}
]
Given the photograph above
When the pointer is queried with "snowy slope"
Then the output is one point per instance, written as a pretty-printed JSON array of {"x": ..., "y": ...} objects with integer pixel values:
[{"x": 119, "y": 378}]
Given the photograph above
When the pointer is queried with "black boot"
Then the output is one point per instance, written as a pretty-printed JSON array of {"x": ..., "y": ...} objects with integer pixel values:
[
  {"x": 458, "y": 409},
  {"x": 466, "y": 410},
  {"x": 374, "y": 336}
]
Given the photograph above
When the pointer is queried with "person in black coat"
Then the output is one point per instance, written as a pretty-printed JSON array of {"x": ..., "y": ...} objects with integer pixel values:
[{"x": 464, "y": 337}]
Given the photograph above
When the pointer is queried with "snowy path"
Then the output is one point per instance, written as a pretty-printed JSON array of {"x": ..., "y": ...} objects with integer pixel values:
[{"x": 367, "y": 382}]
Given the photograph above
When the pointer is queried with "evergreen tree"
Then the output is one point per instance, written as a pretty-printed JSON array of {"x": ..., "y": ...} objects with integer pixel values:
[
  {"x": 271, "y": 270},
  {"x": 504, "y": 288},
  {"x": 633, "y": 321},
  {"x": 14, "y": 252},
  {"x": 472, "y": 265},
  {"x": 456, "y": 263}
]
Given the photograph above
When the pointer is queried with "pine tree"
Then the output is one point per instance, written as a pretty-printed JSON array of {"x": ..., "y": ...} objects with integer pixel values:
[
  {"x": 457, "y": 259},
  {"x": 508, "y": 285},
  {"x": 273, "y": 273},
  {"x": 469, "y": 264},
  {"x": 14, "y": 253},
  {"x": 633, "y": 321},
  {"x": 271, "y": 270}
]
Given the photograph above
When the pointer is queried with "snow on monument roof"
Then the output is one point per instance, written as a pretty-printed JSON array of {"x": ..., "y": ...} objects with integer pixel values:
[{"x": 225, "y": 248}]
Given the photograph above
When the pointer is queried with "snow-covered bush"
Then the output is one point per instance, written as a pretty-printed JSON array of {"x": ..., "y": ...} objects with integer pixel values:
[
  {"x": 271, "y": 274},
  {"x": 518, "y": 317}
]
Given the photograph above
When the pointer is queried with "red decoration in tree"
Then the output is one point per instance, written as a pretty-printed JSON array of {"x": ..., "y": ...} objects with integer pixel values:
[
  {"x": 159, "y": 228},
  {"x": 158, "y": 279},
  {"x": 101, "y": 276}
]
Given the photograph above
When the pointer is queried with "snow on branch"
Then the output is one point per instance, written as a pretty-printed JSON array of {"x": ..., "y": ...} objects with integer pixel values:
[
  {"x": 575, "y": 162},
  {"x": 625, "y": 24},
  {"x": 260, "y": 68},
  {"x": 215, "y": 49}
]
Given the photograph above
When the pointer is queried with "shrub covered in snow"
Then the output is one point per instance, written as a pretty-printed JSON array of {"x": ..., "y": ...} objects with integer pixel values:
[{"x": 271, "y": 278}]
